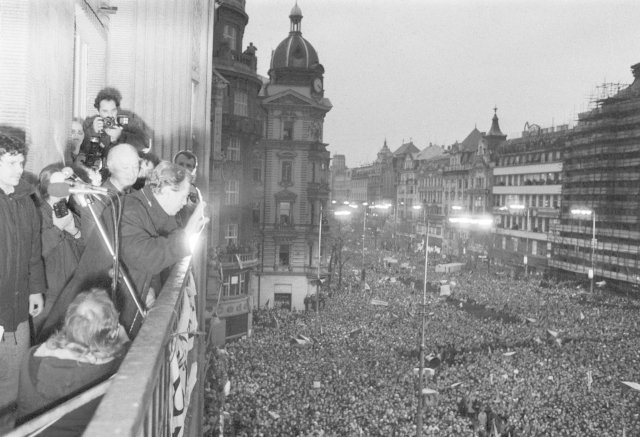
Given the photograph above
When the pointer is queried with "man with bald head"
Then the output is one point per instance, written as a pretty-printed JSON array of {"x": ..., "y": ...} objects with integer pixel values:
[{"x": 123, "y": 164}]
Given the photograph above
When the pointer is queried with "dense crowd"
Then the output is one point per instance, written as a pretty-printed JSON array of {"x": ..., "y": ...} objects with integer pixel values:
[{"x": 511, "y": 358}]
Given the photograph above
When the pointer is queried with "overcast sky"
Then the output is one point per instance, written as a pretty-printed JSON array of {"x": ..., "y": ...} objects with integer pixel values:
[{"x": 431, "y": 70}]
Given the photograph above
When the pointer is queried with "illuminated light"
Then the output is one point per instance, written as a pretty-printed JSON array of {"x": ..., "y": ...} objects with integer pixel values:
[
  {"x": 417, "y": 207},
  {"x": 581, "y": 212},
  {"x": 483, "y": 222},
  {"x": 346, "y": 202},
  {"x": 193, "y": 242},
  {"x": 517, "y": 206},
  {"x": 456, "y": 207},
  {"x": 342, "y": 213}
]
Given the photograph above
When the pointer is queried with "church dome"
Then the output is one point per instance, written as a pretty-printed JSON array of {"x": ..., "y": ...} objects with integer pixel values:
[{"x": 295, "y": 51}]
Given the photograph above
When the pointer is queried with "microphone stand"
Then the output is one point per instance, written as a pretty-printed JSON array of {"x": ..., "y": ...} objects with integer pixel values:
[{"x": 117, "y": 271}]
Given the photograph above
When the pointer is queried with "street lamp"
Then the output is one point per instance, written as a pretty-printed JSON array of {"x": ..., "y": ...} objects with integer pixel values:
[
  {"x": 527, "y": 226},
  {"x": 589, "y": 212},
  {"x": 422, "y": 327},
  {"x": 364, "y": 229}
]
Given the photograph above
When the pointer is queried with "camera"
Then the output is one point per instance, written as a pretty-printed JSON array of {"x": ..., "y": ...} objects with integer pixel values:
[
  {"x": 93, "y": 157},
  {"x": 60, "y": 208},
  {"x": 193, "y": 197},
  {"x": 123, "y": 120},
  {"x": 109, "y": 122}
]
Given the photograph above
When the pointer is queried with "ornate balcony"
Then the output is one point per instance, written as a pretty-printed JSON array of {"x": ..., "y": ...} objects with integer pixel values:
[{"x": 239, "y": 260}]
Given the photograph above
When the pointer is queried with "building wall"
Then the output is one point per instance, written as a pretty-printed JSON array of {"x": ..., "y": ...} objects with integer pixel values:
[
  {"x": 528, "y": 173},
  {"x": 159, "y": 59},
  {"x": 602, "y": 173},
  {"x": 60, "y": 54},
  {"x": 34, "y": 37}
]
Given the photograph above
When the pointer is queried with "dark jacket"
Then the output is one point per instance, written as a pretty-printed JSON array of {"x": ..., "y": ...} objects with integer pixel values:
[
  {"x": 21, "y": 267},
  {"x": 61, "y": 252},
  {"x": 150, "y": 243},
  {"x": 47, "y": 381},
  {"x": 134, "y": 133}
]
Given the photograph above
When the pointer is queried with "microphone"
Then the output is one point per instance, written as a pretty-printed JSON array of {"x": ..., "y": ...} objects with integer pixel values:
[
  {"x": 69, "y": 173},
  {"x": 61, "y": 189}
]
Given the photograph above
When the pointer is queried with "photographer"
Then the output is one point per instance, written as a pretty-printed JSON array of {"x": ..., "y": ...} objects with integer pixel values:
[
  {"x": 111, "y": 126},
  {"x": 62, "y": 242}
]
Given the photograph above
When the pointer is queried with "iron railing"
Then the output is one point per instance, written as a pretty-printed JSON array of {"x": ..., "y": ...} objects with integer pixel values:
[{"x": 158, "y": 389}]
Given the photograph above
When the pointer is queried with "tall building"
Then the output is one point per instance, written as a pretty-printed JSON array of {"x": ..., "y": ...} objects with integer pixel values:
[
  {"x": 527, "y": 197},
  {"x": 405, "y": 186},
  {"x": 296, "y": 176},
  {"x": 601, "y": 180},
  {"x": 431, "y": 162},
  {"x": 375, "y": 182},
  {"x": 340, "y": 179},
  {"x": 467, "y": 189},
  {"x": 237, "y": 178}
]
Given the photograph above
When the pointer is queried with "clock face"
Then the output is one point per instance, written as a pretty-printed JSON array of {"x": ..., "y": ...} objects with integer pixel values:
[{"x": 317, "y": 85}]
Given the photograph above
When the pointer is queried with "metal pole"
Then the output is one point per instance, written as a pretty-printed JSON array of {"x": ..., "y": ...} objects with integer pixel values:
[
  {"x": 318, "y": 283},
  {"x": 593, "y": 249},
  {"x": 364, "y": 230},
  {"x": 526, "y": 251},
  {"x": 423, "y": 312}
]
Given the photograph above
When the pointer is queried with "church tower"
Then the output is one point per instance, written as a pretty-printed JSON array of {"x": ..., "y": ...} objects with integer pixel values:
[{"x": 296, "y": 183}]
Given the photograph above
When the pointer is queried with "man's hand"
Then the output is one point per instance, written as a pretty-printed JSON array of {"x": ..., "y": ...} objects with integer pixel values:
[
  {"x": 150, "y": 299},
  {"x": 197, "y": 221},
  {"x": 114, "y": 133},
  {"x": 98, "y": 125},
  {"x": 63, "y": 223},
  {"x": 36, "y": 304}
]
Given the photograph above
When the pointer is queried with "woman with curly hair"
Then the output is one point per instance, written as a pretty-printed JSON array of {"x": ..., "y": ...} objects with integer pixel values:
[{"x": 86, "y": 351}]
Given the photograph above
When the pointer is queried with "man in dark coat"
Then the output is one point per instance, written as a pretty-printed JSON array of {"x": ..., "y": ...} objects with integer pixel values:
[
  {"x": 150, "y": 243},
  {"x": 22, "y": 279}
]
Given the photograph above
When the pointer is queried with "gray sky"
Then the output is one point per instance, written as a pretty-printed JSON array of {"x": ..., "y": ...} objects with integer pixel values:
[{"x": 431, "y": 70}]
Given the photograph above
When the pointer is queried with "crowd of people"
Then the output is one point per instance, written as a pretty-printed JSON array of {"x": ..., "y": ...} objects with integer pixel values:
[
  {"x": 67, "y": 310},
  {"x": 507, "y": 357}
]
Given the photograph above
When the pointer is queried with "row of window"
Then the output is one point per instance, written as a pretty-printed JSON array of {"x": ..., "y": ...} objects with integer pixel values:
[
  {"x": 528, "y": 179},
  {"x": 536, "y": 224},
  {"x": 524, "y": 246},
  {"x": 465, "y": 183},
  {"x": 530, "y": 158},
  {"x": 528, "y": 200}
]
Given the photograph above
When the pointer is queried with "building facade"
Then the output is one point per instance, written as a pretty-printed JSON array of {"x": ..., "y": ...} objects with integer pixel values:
[
  {"x": 527, "y": 196},
  {"x": 296, "y": 172},
  {"x": 601, "y": 175},
  {"x": 340, "y": 179},
  {"x": 238, "y": 172},
  {"x": 431, "y": 163},
  {"x": 467, "y": 192}
]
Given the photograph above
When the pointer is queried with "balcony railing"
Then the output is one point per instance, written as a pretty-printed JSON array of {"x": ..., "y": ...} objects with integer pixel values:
[
  {"x": 241, "y": 259},
  {"x": 156, "y": 375}
]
